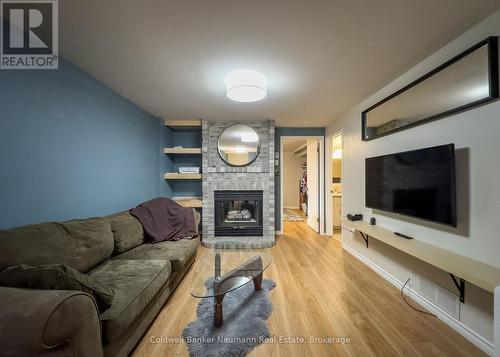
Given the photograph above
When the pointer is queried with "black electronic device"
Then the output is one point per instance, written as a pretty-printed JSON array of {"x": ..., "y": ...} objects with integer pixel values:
[
  {"x": 402, "y": 235},
  {"x": 418, "y": 183},
  {"x": 355, "y": 217}
]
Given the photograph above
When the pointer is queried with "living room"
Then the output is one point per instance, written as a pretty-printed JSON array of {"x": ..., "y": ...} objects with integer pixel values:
[{"x": 249, "y": 179}]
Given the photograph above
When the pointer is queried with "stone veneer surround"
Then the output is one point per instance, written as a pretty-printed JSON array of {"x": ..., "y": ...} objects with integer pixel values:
[{"x": 217, "y": 175}]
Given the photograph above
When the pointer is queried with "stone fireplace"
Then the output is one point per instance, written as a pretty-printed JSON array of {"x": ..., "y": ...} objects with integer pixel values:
[{"x": 238, "y": 202}]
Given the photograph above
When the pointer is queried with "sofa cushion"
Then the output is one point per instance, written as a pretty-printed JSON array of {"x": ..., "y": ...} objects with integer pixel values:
[
  {"x": 178, "y": 252},
  {"x": 127, "y": 231},
  {"x": 135, "y": 282},
  {"x": 80, "y": 244},
  {"x": 56, "y": 277}
]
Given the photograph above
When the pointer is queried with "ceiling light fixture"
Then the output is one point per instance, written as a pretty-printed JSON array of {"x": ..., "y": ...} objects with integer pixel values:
[{"x": 246, "y": 86}]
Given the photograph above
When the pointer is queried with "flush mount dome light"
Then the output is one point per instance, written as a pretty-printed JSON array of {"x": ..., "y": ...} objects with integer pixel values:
[{"x": 246, "y": 86}]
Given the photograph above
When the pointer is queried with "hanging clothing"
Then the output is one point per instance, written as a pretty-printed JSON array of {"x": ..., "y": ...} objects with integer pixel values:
[{"x": 303, "y": 183}]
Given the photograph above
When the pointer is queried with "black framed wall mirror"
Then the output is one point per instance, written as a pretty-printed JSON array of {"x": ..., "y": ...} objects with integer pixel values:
[
  {"x": 238, "y": 145},
  {"x": 464, "y": 82}
]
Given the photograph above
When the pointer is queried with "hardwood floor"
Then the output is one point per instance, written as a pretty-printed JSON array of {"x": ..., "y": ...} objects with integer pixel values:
[
  {"x": 296, "y": 212},
  {"x": 322, "y": 291}
]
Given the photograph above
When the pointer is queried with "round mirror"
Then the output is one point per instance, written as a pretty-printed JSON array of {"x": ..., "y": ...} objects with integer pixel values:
[{"x": 238, "y": 145}]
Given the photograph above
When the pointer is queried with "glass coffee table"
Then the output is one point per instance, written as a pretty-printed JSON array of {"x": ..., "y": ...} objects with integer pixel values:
[{"x": 226, "y": 267}]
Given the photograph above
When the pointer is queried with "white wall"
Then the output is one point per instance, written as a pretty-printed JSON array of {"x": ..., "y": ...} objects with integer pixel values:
[
  {"x": 313, "y": 194},
  {"x": 497, "y": 322},
  {"x": 476, "y": 136},
  {"x": 292, "y": 173}
]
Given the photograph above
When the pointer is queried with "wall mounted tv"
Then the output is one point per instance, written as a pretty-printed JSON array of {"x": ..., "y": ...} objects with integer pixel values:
[{"x": 419, "y": 183}]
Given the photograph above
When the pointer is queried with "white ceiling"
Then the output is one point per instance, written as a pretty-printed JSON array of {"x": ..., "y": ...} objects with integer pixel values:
[
  {"x": 292, "y": 144},
  {"x": 320, "y": 57}
]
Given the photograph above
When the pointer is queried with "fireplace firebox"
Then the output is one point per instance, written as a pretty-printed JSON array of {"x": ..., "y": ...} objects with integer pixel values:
[{"x": 238, "y": 213}]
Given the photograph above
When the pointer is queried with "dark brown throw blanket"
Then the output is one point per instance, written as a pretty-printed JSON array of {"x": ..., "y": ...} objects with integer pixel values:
[{"x": 164, "y": 219}]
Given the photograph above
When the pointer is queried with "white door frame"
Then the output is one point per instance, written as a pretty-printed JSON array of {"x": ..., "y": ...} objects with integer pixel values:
[
  {"x": 321, "y": 140},
  {"x": 328, "y": 181}
]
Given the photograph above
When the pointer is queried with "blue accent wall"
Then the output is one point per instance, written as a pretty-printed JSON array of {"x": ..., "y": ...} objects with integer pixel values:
[
  {"x": 70, "y": 147},
  {"x": 187, "y": 139},
  {"x": 279, "y": 132}
]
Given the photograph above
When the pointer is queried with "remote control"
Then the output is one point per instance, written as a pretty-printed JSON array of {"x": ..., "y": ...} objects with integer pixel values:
[{"x": 403, "y": 235}]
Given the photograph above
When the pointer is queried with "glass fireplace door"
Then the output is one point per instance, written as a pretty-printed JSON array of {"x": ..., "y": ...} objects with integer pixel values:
[{"x": 238, "y": 213}]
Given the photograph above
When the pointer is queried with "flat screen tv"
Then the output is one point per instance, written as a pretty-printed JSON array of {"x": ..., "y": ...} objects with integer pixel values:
[{"x": 418, "y": 183}]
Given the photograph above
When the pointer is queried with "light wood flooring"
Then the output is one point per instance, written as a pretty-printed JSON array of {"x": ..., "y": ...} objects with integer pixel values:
[
  {"x": 297, "y": 212},
  {"x": 322, "y": 291}
]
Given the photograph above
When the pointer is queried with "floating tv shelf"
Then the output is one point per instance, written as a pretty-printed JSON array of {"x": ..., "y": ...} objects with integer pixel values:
[
  {"x": 183, "y": 124},
  {"x": 178, "y": 176},
  {"x": 186, "y": 151},
  {"x": 458, "y": 266}
]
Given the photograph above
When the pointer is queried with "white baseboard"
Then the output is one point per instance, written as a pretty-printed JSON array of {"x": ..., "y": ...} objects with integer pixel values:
[{"x": 448, "y": 319}]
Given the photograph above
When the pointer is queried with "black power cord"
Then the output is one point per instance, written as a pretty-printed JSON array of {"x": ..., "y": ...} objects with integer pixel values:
[{"x": 407, "y": 303}]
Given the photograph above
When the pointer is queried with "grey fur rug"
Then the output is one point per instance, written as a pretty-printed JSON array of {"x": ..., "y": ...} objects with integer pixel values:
[{"x": 245, "y": 312}]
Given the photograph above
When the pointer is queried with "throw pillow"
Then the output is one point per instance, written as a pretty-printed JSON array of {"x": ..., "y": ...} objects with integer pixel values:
[{"x": 56, "y": 277}]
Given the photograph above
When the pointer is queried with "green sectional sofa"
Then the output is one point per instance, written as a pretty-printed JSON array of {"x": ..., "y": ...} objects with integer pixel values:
[{"x": 108, "y": 251}]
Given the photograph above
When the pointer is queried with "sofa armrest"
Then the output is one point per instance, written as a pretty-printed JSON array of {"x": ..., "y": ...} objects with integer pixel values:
[
  {"x": 49, "y": 322},
  {"x": 197, "y": 219}
]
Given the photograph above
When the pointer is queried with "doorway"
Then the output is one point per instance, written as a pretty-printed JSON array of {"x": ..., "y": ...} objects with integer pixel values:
[
  {"x": 301, "y": 180},
  {"x": 334, "y": 185}
]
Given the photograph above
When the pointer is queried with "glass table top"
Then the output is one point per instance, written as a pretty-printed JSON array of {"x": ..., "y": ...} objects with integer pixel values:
[{"x": 227, "y": 267}]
